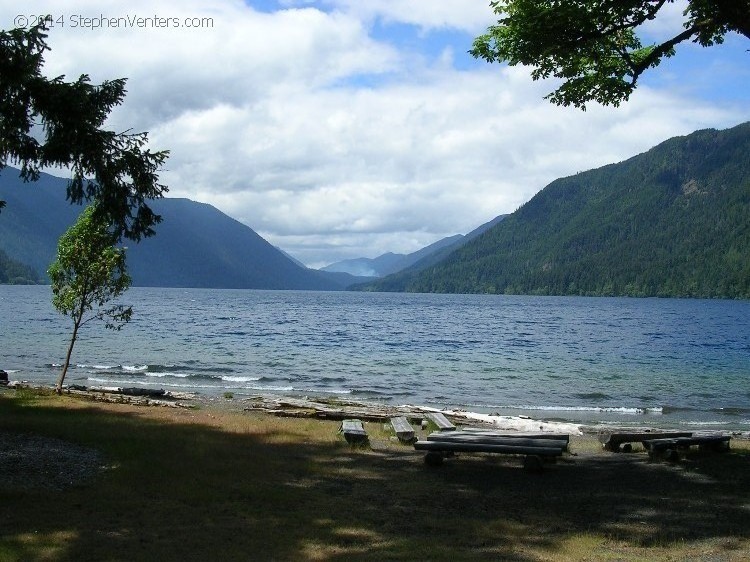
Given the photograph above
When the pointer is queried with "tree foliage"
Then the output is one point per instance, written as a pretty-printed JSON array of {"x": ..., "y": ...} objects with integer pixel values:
[
  {"x": 116, "y": 169},
  {"x": 592, "y": 45},
  {"x": 88, "y": 274}
]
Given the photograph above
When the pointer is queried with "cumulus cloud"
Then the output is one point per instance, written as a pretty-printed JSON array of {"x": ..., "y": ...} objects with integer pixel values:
[
  {"x": 472, "y": 16},
  {"x": 333, "y": 139}
]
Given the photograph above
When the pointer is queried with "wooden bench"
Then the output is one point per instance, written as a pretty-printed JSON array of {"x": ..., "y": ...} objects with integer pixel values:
[
  {"x": 440, "y": 421},
  {"x": 354, "y": 432},
  {"x": 614, "y": 441},
  {"x": 403, "y": 430},
  {"x": 669, "y": 447},
  {"x": 441, "y": 444},
  {"x": 517, "y": 434},
  {"x": 519, "y": 441}
]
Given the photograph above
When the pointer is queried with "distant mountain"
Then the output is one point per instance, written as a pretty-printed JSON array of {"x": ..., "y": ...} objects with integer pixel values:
[
  {"x": 13, "y": 272},
  {"x": 430, "y": 259},
  {"x": 389, "y": 263},
  {"x": 195, "y": 246},
  {"x": 674, "y": 221}
]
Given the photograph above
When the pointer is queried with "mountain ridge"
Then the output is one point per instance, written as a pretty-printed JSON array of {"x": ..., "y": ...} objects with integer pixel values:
[
  {"x": 671, "y": 221},
  {"x": 196, "y": 245},
  {"x": 390, "y": 263}
]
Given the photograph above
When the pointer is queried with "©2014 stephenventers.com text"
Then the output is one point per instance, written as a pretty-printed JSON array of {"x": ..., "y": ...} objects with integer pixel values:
[{"x": 79, "y": 21}]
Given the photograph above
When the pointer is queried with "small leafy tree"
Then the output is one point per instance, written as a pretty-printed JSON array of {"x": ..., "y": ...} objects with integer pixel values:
[
  {"x": 89, "y": 273},
  {"x": 592, "y": 44}
]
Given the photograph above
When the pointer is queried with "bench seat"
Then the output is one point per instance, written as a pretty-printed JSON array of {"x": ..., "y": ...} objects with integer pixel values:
[
  {"x": 403, "y": 429},
  {"x": 438, "y": 445},
  {"x": 354, "y": 432},
  {"x": 440, "y": 421}
]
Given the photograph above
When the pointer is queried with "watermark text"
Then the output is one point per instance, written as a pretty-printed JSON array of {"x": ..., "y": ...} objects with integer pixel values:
[{"x": 90, "y": 23}]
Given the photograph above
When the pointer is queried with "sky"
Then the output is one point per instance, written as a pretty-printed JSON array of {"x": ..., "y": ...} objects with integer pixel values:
[{"x": 341, "y": 129}]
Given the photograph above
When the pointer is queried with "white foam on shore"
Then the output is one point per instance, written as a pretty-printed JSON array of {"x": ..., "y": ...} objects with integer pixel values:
[
  {"x": 229, "y": 378},
  {"x": 512, "y": 423},
  {"x": 656, "y": 410}
]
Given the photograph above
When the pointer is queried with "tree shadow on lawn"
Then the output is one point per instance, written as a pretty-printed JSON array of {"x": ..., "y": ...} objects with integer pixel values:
[{"x": 189, "y": 491}]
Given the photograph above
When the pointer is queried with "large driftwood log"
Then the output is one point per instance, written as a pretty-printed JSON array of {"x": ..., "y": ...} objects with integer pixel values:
[
  {"x": 487, "y": 448},
  {"x": 611, "y": 441},
  {"x": 461, "y": 437}
]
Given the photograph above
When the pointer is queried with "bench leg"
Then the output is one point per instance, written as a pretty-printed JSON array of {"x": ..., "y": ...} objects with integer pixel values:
[
  {"x": 433, "y": 458},
  {"x": 533, "y": 463},
  {"x": 720, "y": 447}
]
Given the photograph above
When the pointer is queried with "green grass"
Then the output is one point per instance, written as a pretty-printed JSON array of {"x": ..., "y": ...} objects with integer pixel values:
[{"x": 208, "y": 485}]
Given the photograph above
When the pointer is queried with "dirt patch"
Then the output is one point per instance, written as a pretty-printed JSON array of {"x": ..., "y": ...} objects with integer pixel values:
[{"x": 30, "y": 462}]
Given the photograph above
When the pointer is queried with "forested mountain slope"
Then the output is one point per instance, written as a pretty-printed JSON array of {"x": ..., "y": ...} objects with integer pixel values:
[
  {"x": 674, "y": 221},
  {"x": 195, "y": 246}
]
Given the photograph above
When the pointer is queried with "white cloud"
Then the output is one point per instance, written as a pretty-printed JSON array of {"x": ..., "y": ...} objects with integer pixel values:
[
  {"x": 667, "y": 24},
  {"x": 468, "y": 15},
  {"x": 333, "y": 144}
]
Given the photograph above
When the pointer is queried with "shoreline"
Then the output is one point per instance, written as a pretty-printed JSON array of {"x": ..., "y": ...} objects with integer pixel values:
[
  {"x": 203, "y": 477},
  {"x": 331, "y": 408}
]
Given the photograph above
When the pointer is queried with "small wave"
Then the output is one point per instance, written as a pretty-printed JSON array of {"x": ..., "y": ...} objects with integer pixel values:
[
  {"x": 337, "y": 391},
  {"x": 267, "y": 378},
  {"x": 212, "y": 369},
  {"x": 656, "y": 410},
  {"x": 676, "y": 409},
  {"x": 380, "y": 393},
  {"x": 274, "y": 388},
  {"x": 168, "y": 374},
  {"x": 158, "y": 368},
  {"x": 369, "y": 392},
  {"x": 161, "y": 383},
  {"x": 714, "y": 423},
  {"x": 96, "y": 379},
  {"x": 732, "y": 411},
  {"x": 593, "y": 396},
  {"x": 240, "y": 379},
  {"x": 135, "y": 368}
]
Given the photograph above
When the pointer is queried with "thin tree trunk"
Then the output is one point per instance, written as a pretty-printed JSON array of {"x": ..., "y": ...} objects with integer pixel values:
[{"x": 60, "y": 380}]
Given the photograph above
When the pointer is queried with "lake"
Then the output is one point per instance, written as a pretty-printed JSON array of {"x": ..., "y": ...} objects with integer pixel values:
[{"x": 663, "y": 362}]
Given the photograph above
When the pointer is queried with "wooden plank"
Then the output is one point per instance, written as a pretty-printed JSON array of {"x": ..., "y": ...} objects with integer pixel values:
[
  {"x": 354, "y": 431},
  {"x": 444, "y": 446},
  {"x": 516, "y": 434},
  {"x": 403, "y": 429},
  {"x": 456, "y": 437},
  {"x": 440, "y": 421},
  {"x": 612, "y": 441},
  {"x": 718, "y": 441}
]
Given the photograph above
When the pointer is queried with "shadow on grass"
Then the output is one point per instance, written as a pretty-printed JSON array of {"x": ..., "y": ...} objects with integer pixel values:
[{"x": 189, "y": 491}]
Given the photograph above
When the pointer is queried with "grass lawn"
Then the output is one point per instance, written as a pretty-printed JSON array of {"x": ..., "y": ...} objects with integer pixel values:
[{"x": 209, "y": 484}]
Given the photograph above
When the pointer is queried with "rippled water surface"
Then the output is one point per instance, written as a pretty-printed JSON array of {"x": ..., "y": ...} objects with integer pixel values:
[{"x": 635, "y": 361}]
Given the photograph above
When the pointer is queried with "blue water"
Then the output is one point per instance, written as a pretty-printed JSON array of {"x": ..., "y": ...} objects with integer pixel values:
[{"x": 657, "y": 362}]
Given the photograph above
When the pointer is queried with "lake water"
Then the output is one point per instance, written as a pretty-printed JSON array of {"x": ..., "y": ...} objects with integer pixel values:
[{"x": 660, "y": 362}]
